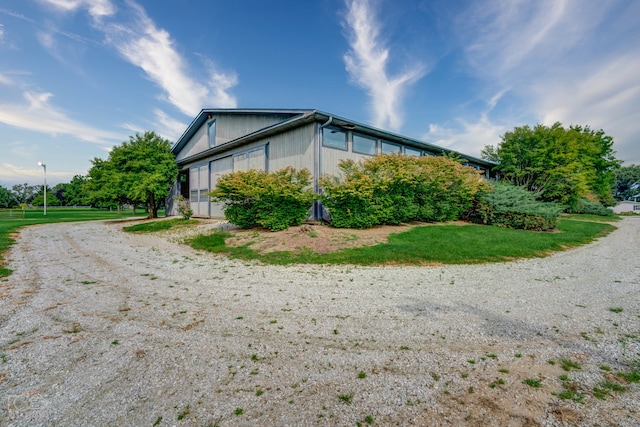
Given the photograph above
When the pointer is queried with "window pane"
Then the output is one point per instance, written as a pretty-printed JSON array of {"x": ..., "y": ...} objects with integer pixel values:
[
  {"x": 388, "y": 147},
  {"x": 240, "y": 162},
  {"x": 335, "y": 138},
  {"x": 412, "y": 152},
  {"x": 364, "y": 145},
  {"x": 256, "y": 159},
  {"x": 212, "y": 134}
]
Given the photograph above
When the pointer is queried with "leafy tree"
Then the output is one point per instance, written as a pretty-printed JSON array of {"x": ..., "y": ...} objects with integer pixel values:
[
  {"x": 140, "y": 170},
  {"x": 5, "y": 197},
  {"x": 103, "y": 185},
  {"x": 627, "y": 182},
  {"x": 558, "y": 164},
  {"x": 59, "y": 191},
  {"x": 24, "y": 193},
  {"x": 77, "y": 193},
  {"x": 52, "y": 200}
]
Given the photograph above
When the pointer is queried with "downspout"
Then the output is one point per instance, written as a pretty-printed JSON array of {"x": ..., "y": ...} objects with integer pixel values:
[{"x": 317, "y": 168}]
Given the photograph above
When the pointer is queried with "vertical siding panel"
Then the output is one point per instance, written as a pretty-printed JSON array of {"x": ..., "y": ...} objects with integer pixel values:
[{"x": 218, "y": 168}]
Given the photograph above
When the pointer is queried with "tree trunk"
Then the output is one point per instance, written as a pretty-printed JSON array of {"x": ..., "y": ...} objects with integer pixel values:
[{"x": 153, "y": 211}]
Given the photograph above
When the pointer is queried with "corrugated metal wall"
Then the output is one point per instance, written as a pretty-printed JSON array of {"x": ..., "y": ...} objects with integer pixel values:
[
  {"x": 233, "y": 126},
  {"x": 219, "y": 167},
  {"x": 197, "y": 144}
]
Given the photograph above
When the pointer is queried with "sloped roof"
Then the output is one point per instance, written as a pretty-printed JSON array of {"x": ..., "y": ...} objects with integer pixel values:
[{"x": 298, "y": 117}]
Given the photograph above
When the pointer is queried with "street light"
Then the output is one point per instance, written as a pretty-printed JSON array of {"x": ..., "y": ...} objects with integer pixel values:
[{"x": 44, "y": 165}]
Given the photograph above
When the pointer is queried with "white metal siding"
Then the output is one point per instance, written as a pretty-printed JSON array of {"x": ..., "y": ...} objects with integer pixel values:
[
  {"x": 197, "y": 144},
  {"x": 230, "y": 127},
  {"x": 292, "y": 148},
  {"x": 218, "y": 168},
  {"x": 199, "y": 187}
]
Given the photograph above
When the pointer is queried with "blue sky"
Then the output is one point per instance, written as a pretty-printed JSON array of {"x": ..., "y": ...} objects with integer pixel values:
[{"x": 80, "y": 76}]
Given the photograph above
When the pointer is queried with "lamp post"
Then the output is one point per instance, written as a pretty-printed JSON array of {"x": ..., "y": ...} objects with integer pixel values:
[{"x": 44, "y": 165}]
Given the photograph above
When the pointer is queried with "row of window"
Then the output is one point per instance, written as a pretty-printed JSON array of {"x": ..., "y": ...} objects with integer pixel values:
[{"x": 338, "y": 138}]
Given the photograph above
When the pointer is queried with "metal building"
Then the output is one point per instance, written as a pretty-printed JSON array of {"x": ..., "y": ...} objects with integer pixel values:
[{"x": 220, "y": 141}]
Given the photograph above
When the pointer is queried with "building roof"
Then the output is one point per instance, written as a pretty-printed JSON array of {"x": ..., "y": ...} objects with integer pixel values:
[{"x": 298, "y": 117}]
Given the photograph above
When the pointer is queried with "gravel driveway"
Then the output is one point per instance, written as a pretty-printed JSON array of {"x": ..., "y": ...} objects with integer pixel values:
[{"x": 104, "y": 328}]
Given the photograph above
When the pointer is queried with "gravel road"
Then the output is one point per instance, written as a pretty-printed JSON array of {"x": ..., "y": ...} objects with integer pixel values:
[{"x": 104, "y": 328}]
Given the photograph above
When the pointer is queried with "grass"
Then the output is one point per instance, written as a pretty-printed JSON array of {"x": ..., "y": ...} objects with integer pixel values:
[
  {"x": 567, "y": 365},
  {"x": 597, "y": 218},
  {"x": 439, "y": 244},
  {"x": 150, "y": 227},
  {"x": 10, "y": 225},
  {"x": 345, "y": 398},
  {"x": 531, "y": 382}
]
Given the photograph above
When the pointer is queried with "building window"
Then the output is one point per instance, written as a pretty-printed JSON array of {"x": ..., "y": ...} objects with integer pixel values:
[
  {"x": 389, "y": 147},
  {"x": 334, "y": 138},
  {"x": 240, "y": 162},
  {"x": 364, "y": 145},
  {"x": 211, "y": 131},
  {"x": 253, "y": 159},
  {"x": 412, "y": 151}
]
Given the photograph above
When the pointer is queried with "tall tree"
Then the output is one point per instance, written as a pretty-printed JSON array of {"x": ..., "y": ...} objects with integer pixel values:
[
  {"x": 140, "y": 170},
  {"x": 5, "y": 197},
  {"x": 104, "y": 185},
  {"x": 77, "y": 194},
  {"x": 558, "y": 164},
  {"x": 627, "y": 182},
  {"x": 25, "y": 193}
]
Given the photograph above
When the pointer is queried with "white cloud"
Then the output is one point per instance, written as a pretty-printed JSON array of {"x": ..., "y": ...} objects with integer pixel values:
[
  {"x": 96, "y": 8},
  {"x": 561, "y": 62},
  {"x": 39, "y": 115},
  {"x": 167, "y": 126},
  {"x": 367, "y": 62},
  {"x": 152, "y": 49},
  {"x": 465, "y": 136},
  {"x": 139, "y": 41},
  {"x": 11, "y": 174},
  {"x": 5, "y": 80}
]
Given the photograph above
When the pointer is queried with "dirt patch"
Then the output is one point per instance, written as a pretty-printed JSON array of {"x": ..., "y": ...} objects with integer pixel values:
[{"x": 318, "y": 238}]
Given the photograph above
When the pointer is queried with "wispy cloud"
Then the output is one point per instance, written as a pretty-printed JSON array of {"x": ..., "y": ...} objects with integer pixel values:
[
  {"x": 51, "y": 120},
  {"x": 467, "y": 137},
  {"x": 367, "y": 61},
  {"x": 96, "y": 8},
  {"x": 5, "y": 80},
  {"x": 11, "y": 174},
  {"x": 559, "y": 61},
  {"x": 139, "y": 41}
]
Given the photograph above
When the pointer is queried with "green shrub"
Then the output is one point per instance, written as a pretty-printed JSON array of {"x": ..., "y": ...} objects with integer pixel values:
[
  {"x": 391, "y": 189},
  {"x": 275, "y": 200},
  {"x": 584, "y": 206},
  {"x": 507, "y": 205},
  {"x": 184, "y": 207}
]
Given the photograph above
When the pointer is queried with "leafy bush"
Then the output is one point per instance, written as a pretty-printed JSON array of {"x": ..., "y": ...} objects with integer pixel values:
[
  {"x": 184, "y": 207},
  {"x": 584, "y": 206},
  {"x": 273, "y": 200},
  {"x": 391, "y": 189},
  {"x": 507, "y": 205}
]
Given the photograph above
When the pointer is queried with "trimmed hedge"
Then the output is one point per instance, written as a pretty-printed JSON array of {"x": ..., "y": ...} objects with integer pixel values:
[
  {"x": 507, "y": 205},
  {"x": 391, "y": 189},
  {"x": 275, "y": 200}
]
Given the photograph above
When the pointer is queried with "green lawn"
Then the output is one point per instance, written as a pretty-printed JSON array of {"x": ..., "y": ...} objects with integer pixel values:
[
  {"x": 10, "y": 222},
  {"x": 440, "y": 244}
]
